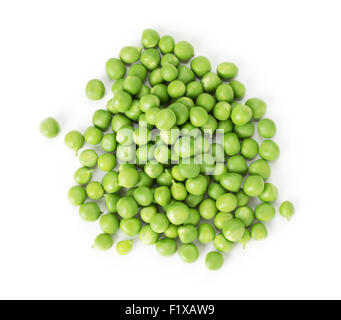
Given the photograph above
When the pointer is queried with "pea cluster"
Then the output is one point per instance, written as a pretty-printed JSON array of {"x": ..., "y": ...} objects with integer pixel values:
[{"x": 204, "y": 196}]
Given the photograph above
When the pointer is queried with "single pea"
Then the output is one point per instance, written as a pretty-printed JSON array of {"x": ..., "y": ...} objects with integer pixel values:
[
  {"x": 93, "y": 135},
  {"x": 198, "y": 116},
  {"x": 187, "y": 233},
  {"x": 138, "y": 70},
  {"x": 132, "y": 85},
  {"x": 88, "y": 158},
  {"x": 225, "y": 125},
  {"x": 147, "y": 213},
  {"x": 101, "y": 119},
  {"x": 170, "y": 58},
  {"x": 259, "y": 231},
  {"x": 188, "y": 252},
  {"x": 166, "y": 44},
  {"x": 95, "y": 89},
  {"x": 189, "y": 170},
  {"x": 221, "y": 218},
  {"x": 127, "y": 207},
  {"x": 150, "y": 58},
  {"x": 128, "y": 177},
  {"x": 208, "y": 209},
  {"x": 143, "y": 196},
  {"x": 219, "y": 171},
  {"x": 269, "y": 150},
  {"x": 231, "y": 181},
  {"x": 184, "y": 147},
  {"x": 162, "y": 195},
  {"x": 106, "y": 162},
  {"x": 176, "y": 89},
  {"x": 260, "y": 167},
  {"x": 245, "y": 238},
  {"x": 266, "y": 128},
  {"x": 206, "y": 233},
  {"x": 232, "y": 144},
  {"x": 134, "y": 112},
  {"x": 193, "y": 201},
  {"x": 166, "y": 247},
  {"x": 165, "y": 119},
  {"x": 109, "y": 223},
  {"x": 200, "y": 65},
  {"x": 82, "y": 175},
  {"x": 238, "y": 89},
  {"x": 265, "y": 212},
  {"x": 153, "y": 169},
  {"x": 162, "y": 153},
  {"x": 257, "y": 106},
  {"x": 222, "y": 244},
  {"x": 215, "y": 190},
  {"x": 245, "y": 214},
  {"x": 148, "y": 236},
  {"x": 126, "y": 153},
  {"x": 169, "y": 72},
  {"x": 222, "y": 110},
  {"x": 159, "y": 222},
  {"x": 214, "y": 260},
  {"x": 130, "y": 226},
  {"x": 160, "y": 90},
  {"x": 122, "y": 100},
  {"x": 243, "y": 198},
  {"x": 245, "y": 131},
  {"x": 165, "y": 179},
  {"x": 185, "y": 75},
  {"x": 241, "y": 114},
  {"x": 194, "y": 89},
  {"x": 188, "y": 129},
  {"x": 249, "y": 148},
  {"x": 111, "y": 201},
  {"x": 129, "y": 54},
  {"x": 170, "y": 136},
  {"x": 117, "y": 86},
  {"x": 74, "y": 140},
  {"x": 155, "y": 77},
  {"x": 124, "y": 135},
  {"x": 177, "y": 213},
  {"x": 172, "y": 231},
  {"x": 144, "y": 180},
  {"x": 253, "y": 185},
  {"x": 49, "y": 128},
  {"x": 269, "y": 194},
  {"x": 194, "y": 217},
  {"x": 76, "y": 195},
  {"x": 89, "y": 211},
  {"x": 227, "y": 70},
  {"x": 226, "y": 202},
  {"x": 206, "y": 100},
  {"x": 108, "y": 142},
  {"x": 151, "y": 116},
  {"x": 94, "y": 190},
  {"x": 178, "y": 191},
  {"x": 287, "y": 210},
  {"x": 210, "y": 126},
  {"x": 224, "y": 92},
  {"x": 197, "y": 186},
  {"x": 103, "y": 241},
  {"x": 234, "y": 230},
  {"x": 184, "y": 50},
  {"x": 115, "y": 69},
  {"x": 124, "y": 247},
  {"x": 150, "y": 38},
  {"x": 181, "y": 112},
  {"x": 237, "y": 164}
]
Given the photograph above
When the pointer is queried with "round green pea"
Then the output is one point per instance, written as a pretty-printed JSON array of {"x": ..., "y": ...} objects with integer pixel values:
[
  {"x": 245, "y": 214},
  {"x": 198, "y": 116},
  {"x": 184, "y": 50},
  {"x": 222, "y": 110},
  {"x": 269, "y": 193},
  {"x": 222, "y": 244},
  {"x": 165, "y": 119},
  {"x": 178, "y": 213},
  {"x": 122, "y": 100},
  {"x": 214, "y": 260},
  {"x": 140, "y": 71},
  {"x": 266, "y": 128},
  {"x": 243, "y": 198},
  {"x": 166, "y": 44},
  {"x": 169, "y": 72},
  {"x": 115, "y": 69},
  {"x": 109, "y": 223},
  {"x": 196, "y": 186},
  {"x": 83, "y": 175},
  {"x": 253, "y": 185},
  {"x": 208, "y": 209},
  {"x": 93, "y": 135},
  {"x": 186, "y": 75},
  {"x": 193, "y": 201},
  {"x": 147, "y": 213},
  {"x": 119, "y": 121},
  {"x": 77, "y": 195},
  {"x": 188, "y": 252},
  {"x": 227, "y": 70},
  {"x": 88, "y": 158},
  {"x": 108, "y": 142},
  {"x": 129, "y": 54},
  {"x": 170, "y": 58},
  {"x": 160, "y": 90},
  {"x": 224, "y": 92},
  {"x": 172, "y": 231},
  {"x": 166, "y": 247},
  {"x": 238, "y": 89},
  {"x": 128, "y": 177},
  {"x": 261, "y": 168},
  {"x": 227, "y": 202},
  {"x": 237, "y": 164},
  {"x": 187, "y": 233},
  {"x": 241, "y": 114},
  {"x": 49, "y": 128},
  {"x": 143, "y": 196},
  {"x": 111, "y": 201},
  {"x": 126, "y": 207},
  {"x": 132, "y": 85},
  {"x": 265, "y": 212},
  {"x": 287, "y": 210},
  {"x": 124, "y": 247},
  {"x": 148, "y": 236},
  {"x": 206, "y": 233},
  {"x": 249, "y": 148},
  {"x": 150, "y": 38},
  {"x": 201, "y": 65},
  {"x": 231, "y": 181},
  {"x": 176, "y": 89},
  {"x": 130, "y": 226},
  {"x": 117, "y": 86},
  {"x": 153, "y": 169},
  {"x": 110, "y": 182},
  {"x": 178, "y": 191},
  {"x": 234, "y": 230},
  {"x": 257, "y": 106},
  {"x": 221, "y": 218},
  {"x": 95, "y": 89},
  {"x": 103, "y": 241},
  {"x": 232, "y": 144},
  {"x": 259, "y": 231},
  {"x": 74, "y": 140},
  {"x": 101, "y": 119},
  {"x": 269, "y": 150},
  {"x": 194, "y": 89},
  {"x": 89, "y": 211},
  {"x": 159, "y": 222},
  {"x": 106, "y": 162},
  {"x": 94, "y": 190},
  {"x": 181, "y": 112},
  {"x": 245, "y": 131},
  {"x": 150, "y": 58}
]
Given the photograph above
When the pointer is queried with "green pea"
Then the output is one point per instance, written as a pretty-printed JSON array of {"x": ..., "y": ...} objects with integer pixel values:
[
  {"x": 231, "y": 181},
  {"x": 215, "y": 190},
  {"x": 106, "y": 162},
  {"x": 194, "y": 89},
  {"x": 148, "y": 236},
  {"x": 177, "y": 213},
  {"x": 200, "y": 65},
  {"x": 245, "y": 214},
  {"x": 88, "y": 158},
  {"x": 219, "y": 171},
  {"x": 153, "y": 169},
  {"x": 245, "y": 238},
  {"x": 194, "y": 217},
  {"x": 144, "y": 180},
  {"x": 132, "y": 85},
  {"x": 126, "y": 207},
  {"x": 249, "y": 148},
  {"x": 110, "y": 182},
  {"x": 166, "y": 44},
  {"x": 93, "y": 135},
  {"x": 231, "y": 144},
  {"x": 128, "y": 177},
  {"x": 170, "y": 58},
  {"x": 237, "y": 164},
  {"x": 266, "y": 128},
  {"x": 117, "y": 86},
  {"x": 168, "y": 72},
  {"x": 95, "y": 89},
  {"x": 147, "y": 213},
  {"x": 253, "y": 185},
  {"x": 172, "y": 231},
  {"x": 241, "y": 114},
  {"x": 94, "y": 190},
  {"x": 206, "y": 101},
  {"x": 169, "y": 136},
  {"x": 193, "y": 201},
  {"x": 225, "y": 125},
  {"x": 103, "y": 241},
  {"x": 76, "y": 195},
  {"x": 227, "y": 70},
  {"x": 243, "y": 198},
  {"x": 234, "y": 230},
  {"x": 270, "y": 193},
  {"x": 257, "y": 106},
  {"x": 109, "y": 223},
  {"x": 245, "y": 131},
  {"x": 49, "y": 128},
  {"x": 238, "y": 89},
  {"x": 115, "y": 69},
  {"x": 226, "y": 202},
  {"x": 224, "y": 92},
  {"x": 82, "y": 175},
  {"x": 143, "y": 196},
  {"x": 222, "y": 110},
  {"x": 188, "y": 252},
  {"x": 198, "y": 116},
  {"x": 184, "y": 50},
  {"x": 111, "y": 202},
  {"x": 138, "y": 70},
  {"x": 269, "y": 150},
  {"x": 101, "y": 119},
  {"x": 150, "y": 58},
  {"x": 119, "y": 121},
  {"x": 178, "y": 191},
  {"x": 208, "y": 209},
  {"x": 156, "y": 76},
  {"x": 159, "y": 223},
  {"x": 265, "y": 212},
  {"x": 166, "y": 247},
  {"x": 165, "y": 179},
  {"x": 206, "y": 233},
  {"x": 187, "y": 233},
  {"x": 160, "y": 90},
  {"x": 222, "y": 244},
  {"x": 287, "y": 210},
  {"x": 122, "y": 100},
  {"x": 261, "y": 168},
  {"x": 197, "y": 186},
  {"x": 89, "y": 211},
  {"x": 176, "y": 89},
  {"x": 165, "y": 119},
  {"x": 150, "y": 38},
  {"x": 214, "y": 260},
  {"x": 74, "y": 140},
  {"x": 181, "y": 112},
  {"x": 130, "y": 226},
  {"x": 129, "y": 54},
  {"x": 259, "y": 231},
  {"x": 221, "y": 218},
  {"x": 124, "y": 247},
  {"x": 185, "y": 75},
  {"x": 162, "y": 195},
  {"x": 125, "y": 153},
  {"x": 108, "y": 142}
]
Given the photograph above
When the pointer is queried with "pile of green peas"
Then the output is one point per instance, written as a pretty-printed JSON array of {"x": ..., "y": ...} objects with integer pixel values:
[{"x": 175, "y": 205}]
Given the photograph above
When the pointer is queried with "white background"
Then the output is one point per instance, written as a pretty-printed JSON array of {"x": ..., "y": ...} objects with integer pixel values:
[{"x": 288, "y": 53}]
